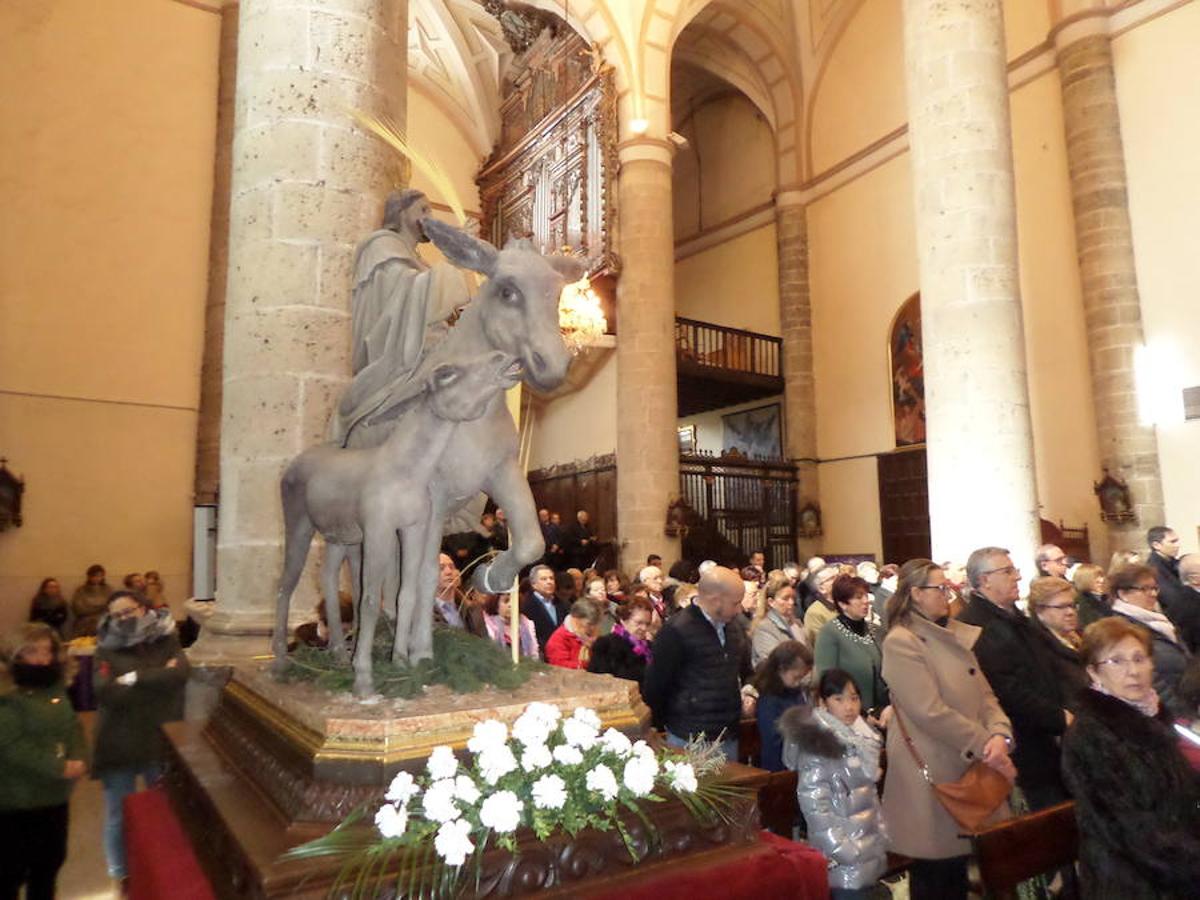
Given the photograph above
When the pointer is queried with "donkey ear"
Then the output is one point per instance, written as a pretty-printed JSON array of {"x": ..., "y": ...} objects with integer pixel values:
[
  {"x": 461, "y": 248},
  {"x": 571, "y": 268}
]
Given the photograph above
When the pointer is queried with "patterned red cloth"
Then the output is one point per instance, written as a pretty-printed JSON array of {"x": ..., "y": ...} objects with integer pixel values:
[{"x": 159, "y": 857}]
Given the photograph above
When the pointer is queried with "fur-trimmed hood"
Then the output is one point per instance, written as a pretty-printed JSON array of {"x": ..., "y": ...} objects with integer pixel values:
[{"x": 799, "y": 726}]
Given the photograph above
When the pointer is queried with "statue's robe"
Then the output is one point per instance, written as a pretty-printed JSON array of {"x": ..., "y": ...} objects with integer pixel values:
[{"x": 399, "y": 310}]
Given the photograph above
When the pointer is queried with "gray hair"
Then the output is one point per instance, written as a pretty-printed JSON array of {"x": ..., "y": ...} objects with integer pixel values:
[
  {"x": 979, "y": 561},
  {"x": 1043, "y": 552},
  {"x": 533, "y": 573},
  {"x": 586, "y": 610}
]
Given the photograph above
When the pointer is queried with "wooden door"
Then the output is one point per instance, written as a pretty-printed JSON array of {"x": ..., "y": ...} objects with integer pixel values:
[{"x": 904, "y": 505}]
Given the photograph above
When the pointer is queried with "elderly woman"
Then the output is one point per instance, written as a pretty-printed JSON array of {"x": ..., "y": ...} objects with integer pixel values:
[
  {"x": 42, "y": 753},
  {"x": 50, "y": 606},
  {"x": 1137, "y": 800},
  {"x": 141, "y": 672},
  {"x": 822, "y": 609},
  {"x": 775, "y": 620},
  {"x": 1052, "y": 608},
  {"x": 625, "y": 652},
  {"x": 940, "y": 697},
  {"x": 569, "y": 647},
  {"x": 850, "y": 643},
  {"x": 1090, "y": 584},
  {"x": 1134, "y": 591}
]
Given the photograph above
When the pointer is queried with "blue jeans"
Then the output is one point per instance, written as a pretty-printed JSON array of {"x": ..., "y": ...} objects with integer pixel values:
[
  {"x": 119, "y": 784},
  {"x": 729, "y": 746}
]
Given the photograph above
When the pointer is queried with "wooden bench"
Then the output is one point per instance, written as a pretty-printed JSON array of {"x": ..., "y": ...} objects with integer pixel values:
[{"x": 1029, "y": 845}]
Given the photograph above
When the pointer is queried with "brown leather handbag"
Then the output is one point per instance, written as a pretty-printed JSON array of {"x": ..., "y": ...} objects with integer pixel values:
[{"x": 973, "y": 798}]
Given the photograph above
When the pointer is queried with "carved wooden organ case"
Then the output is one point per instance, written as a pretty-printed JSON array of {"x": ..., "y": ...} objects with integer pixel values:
[{"x": 552, "y": 178}]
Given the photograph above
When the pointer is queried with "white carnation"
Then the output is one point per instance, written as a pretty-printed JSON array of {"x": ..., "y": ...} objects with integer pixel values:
[
  {"x": 568, "y": 755},
  {"x": 602, "y": 781},
  {"x": 549, "y": 792},
  {"x": 438, "y": 801},
  {"x": 487, "y": 736},
  {"x": 682, "y": 776},
  {"x": 495, "y": 763},
  {"x": 536, "y": 756},
  {"x": 402, "y": 789},
  {"x": 616, "y": 742},
  {"x": 442, "y": 763},
  {"x": 579, "y": 733},
  {"x": 641, "y": 748},
  {"x": 501, "y": 812},
  {"x": 453, "y": 842},
  {"x": 465, "y": 789},
  {"x": 536, "y": 723},
  {"x": 391, "y": 820},
  {"x": 639, "y": 775},
  {"x": 588, "y": 716}
]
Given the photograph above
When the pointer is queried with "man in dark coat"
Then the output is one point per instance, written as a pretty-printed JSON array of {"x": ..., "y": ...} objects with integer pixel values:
[
  {"x": 1163, "y": 559},
  {"x": 542, "y": 607},
  {"x": 556, "y": 557},
  {"x": 693, "y": 684},
  {"x": 1186, "y": 611},
  {"x": 580, "y": 541},
  {"x": 1024, "y": 680}
]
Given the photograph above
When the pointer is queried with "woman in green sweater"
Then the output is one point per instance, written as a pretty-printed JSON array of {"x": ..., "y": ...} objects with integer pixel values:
[
  {"x": 850, "y": 643},
  {"x": 42, "y": 753}
]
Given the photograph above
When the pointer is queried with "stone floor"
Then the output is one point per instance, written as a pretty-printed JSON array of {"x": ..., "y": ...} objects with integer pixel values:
[{"x": 85, "y": 877}]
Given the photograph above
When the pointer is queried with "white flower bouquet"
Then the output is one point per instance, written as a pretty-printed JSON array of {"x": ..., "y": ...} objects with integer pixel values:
[{"x": 549, "y": 773}]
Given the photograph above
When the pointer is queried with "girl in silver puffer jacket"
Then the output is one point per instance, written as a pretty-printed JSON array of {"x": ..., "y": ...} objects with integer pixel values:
[{"x": 836, "y": 756}]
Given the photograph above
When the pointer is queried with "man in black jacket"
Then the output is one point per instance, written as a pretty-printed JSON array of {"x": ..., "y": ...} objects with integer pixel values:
[
  {"x": 1012, "y": 660},
  {"x": 693, "y": 684},
  {"x": 1185, "y": 612},
  {"x": 1163, "y": 559},
  {"x": 542, "y": 607}
]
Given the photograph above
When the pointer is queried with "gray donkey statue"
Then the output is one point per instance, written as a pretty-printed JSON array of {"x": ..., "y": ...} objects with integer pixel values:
[{"x": 515, "y": 315}]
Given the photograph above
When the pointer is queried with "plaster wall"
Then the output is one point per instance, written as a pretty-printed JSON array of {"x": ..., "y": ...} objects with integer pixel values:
[
  {"x": 734, "y": 283},
  {"x": 435, "y": 134},
  {"x": 1158, "y": 92},
  {"x": 581, "y": 424},
  {"x": 106, "y": 168}
]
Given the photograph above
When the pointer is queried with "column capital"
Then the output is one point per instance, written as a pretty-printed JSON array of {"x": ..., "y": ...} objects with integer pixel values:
[{"x": 648, "y": 149}]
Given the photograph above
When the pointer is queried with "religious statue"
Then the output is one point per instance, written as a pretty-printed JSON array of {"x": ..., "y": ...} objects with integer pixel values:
[{"x": 399, "y": 309}]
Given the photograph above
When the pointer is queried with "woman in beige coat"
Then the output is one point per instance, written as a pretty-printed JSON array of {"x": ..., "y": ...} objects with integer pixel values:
[{"x": 953, "y": 718}]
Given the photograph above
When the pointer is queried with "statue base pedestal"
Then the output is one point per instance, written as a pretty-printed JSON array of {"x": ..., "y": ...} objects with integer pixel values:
[{"x": 279, "y": 764}]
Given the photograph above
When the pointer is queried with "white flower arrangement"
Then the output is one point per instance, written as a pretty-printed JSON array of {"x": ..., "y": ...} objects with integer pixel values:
[{"x": 547, "y": 773}]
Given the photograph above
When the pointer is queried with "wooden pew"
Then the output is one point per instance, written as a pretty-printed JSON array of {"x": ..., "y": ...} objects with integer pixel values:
[{"x": 1028, "y": 845}]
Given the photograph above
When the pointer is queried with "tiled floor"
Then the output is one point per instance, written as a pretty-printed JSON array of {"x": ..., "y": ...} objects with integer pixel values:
[{"x": 85, "y": 877}]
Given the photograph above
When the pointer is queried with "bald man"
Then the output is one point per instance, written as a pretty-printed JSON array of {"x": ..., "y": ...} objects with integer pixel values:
[{"x": 693, "y": 684}]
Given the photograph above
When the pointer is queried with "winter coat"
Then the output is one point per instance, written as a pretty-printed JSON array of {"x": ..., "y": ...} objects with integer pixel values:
[
  {"x": 768, "y": 711},
  {"x": 39, "y": 732},
  {"x": 770, "y": 632},
  {"x": 543, "y": 625},
  {"x": 1092, "y": 608},
  {"x": 838, "y": 799},
  {"x": 840, "y": 648},
  {"x": 88, "y": 604},
  {"x": 1027, "y": 686},
  {"x": 1184, "y": 613},
  {"x": 1166, "y": 573},
  {"x": 613, "y": 655},
  {"x": 1066, "y": 663},
  {"x": 566, "y": 649},
  {"x": 816, "y": 617},
  {"x": 1170, "y": 662},
  {"x": 130, "y": 716},
  {"x": 693, "y": 685},
  {"x": 950, "y": 712},
  {"x": 1137, "y": 802}
]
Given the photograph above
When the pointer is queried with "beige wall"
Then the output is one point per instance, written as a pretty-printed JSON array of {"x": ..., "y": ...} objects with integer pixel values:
[
  {"x": 435, "y": 135},
  {"x": 735, "y": 283},
  {"x": 106, "y": 150},
  {"x": 727, "y": 168},
  {"x": 1158, "y": 90},
  {"x": 580, "y": 425}
]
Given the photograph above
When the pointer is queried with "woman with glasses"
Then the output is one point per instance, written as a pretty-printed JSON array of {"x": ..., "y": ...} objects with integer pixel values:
[
  {"x": 141, "y": 672},
  {"x": 1137, "y": 800},
  {"x": 1134, "y": 591},
  {"x": 945, "y": 706},
  {"x": 1054, "y": 612}
]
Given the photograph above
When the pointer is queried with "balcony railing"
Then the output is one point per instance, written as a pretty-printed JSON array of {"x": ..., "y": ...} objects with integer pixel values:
[{"x": 720, "y": 347}]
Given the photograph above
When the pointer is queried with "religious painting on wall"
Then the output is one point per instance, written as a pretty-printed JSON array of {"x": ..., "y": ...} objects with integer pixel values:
[
  {"x": 753, "y": 433},
  {"x": 908, "y": 374}
]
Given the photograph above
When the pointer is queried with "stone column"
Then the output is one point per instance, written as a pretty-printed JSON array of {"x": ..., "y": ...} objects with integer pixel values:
[
  {"x": 306, "y": 185},
  {"x": 795, "y": 317},
  {"x": 1104, "y": 243},
  {"x": 982, "y": 483},
  {"x": 647, "y": 401}
]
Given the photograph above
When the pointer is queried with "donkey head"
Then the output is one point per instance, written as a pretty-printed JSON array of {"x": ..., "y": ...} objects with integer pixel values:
[
  {"x": 518, "y": 304},
  {"x": 460, "y": 391}
]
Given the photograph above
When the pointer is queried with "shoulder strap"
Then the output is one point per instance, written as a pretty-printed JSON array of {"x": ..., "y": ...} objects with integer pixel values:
[{"x": 912, "y": 748}]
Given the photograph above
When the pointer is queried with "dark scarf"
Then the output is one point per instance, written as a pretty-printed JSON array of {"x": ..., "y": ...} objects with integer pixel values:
[
  {"x": 858, "y": 626},
  {"x": 641, "y": 647}
]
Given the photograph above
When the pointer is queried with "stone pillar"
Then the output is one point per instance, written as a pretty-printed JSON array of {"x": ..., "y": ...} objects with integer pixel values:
[
  {"x": 795, "y": 317},
  {"x": 1104, "y": 243},
  {"x": 982, "y": 482},
  {"x": 647, "y": 401},
  {"x": 306, "y": 186}
]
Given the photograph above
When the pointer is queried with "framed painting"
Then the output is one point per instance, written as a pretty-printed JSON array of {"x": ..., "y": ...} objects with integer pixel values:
[
  {"x": 907, "y": 364},
  {"x": 754, "y": 433},
  {"x": 687, "y": 438}
]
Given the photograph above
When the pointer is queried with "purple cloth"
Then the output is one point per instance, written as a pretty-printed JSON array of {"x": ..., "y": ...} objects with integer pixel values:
[{"x": 641, "y": 647}]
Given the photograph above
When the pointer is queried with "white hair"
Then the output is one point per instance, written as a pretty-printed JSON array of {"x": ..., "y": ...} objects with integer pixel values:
[
  {"x": 707, "y": 566},
  {"x": 648, "y": 572},
  {"x": 815, "y": 563}
]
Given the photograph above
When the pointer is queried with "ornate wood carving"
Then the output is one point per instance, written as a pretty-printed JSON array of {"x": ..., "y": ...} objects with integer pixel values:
[{"x": 552, "y": 177}]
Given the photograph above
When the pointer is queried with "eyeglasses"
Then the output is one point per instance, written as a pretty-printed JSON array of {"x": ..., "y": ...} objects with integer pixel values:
[
  {"x": 1137, "y": 661},
  {"x": 1071, "y": 605},
  {"x": 1145, "y": 588},
  {"x": 1003, "y": 570},
  {"x": 945, "y": 589}
]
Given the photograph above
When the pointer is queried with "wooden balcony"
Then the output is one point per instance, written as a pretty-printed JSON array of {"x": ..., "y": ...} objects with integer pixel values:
[{"x": 721, "y": 366}]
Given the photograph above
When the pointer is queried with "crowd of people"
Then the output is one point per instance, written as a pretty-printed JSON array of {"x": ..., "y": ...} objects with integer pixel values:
[{"x": 874, "y": 683}]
